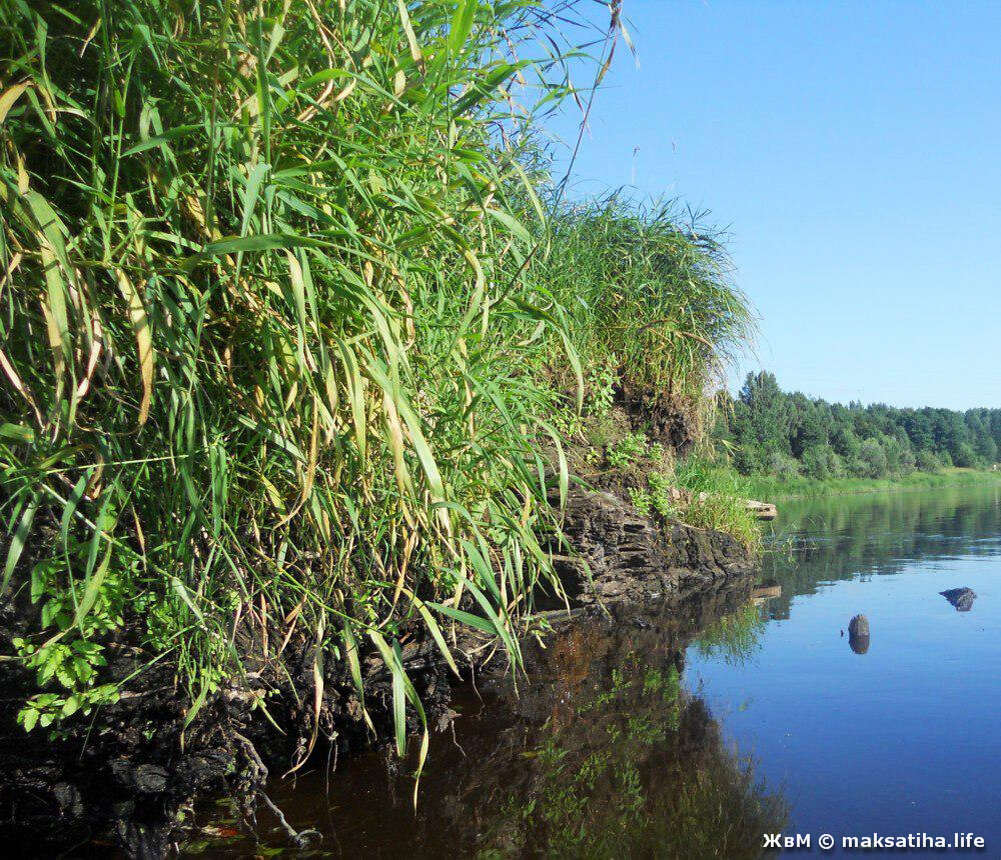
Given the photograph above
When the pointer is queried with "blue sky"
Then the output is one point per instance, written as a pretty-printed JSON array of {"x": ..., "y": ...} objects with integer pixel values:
[{"x": 854, "y": 152}]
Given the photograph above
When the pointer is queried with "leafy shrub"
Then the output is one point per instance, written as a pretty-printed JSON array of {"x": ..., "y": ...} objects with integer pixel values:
[
  {"x": 641, "y": 500},
  {"x": 964, "y": 456},
  {"x": 872, "y": 459},
  {"x": 601, "y": 379},
  {"x": 821, "y": 462},
  {"x": 928, "y": 461},
  {"x": 782, "y": 465}
]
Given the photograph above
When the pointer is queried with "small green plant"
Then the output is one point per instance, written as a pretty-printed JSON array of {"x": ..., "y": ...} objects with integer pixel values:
[
  {"x": 601, "y": 381},
  {"x": 657, "y": 497},
  {"x": 566, "y": 420},
  {"x": 640, "y": 497},
  {"x": 661, "y": 497},
  {"x": 74, "y": 667},
  {"x": 627, "y": 450},
  {"x": 80, "y": 593}
]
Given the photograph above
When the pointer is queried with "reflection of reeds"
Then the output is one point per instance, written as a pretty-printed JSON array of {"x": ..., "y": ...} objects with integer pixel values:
[
  {"x": 734, "y": 637},
  {"x": 642, "y": 771}
]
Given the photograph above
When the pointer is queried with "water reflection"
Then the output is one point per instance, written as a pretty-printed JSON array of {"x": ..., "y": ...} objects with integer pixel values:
[
  {"x": 625, "y": 742},
  {"x": 816, "y": 715},
  {"x": 844, "y": 537},
  {"x": 603, "y": 755}
]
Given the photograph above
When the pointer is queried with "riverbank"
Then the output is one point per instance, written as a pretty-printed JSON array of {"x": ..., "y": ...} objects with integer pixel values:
[
  {"x": 325, "y": 379},
  {"x": 130, "y": 783},
  {"x": 605, "y": 752},
  {"x": 772, "y": 489}
]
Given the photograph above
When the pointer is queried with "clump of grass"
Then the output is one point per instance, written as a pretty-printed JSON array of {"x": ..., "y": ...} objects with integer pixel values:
[
  {"x": 718, "y": 499},
  {"x": 648, "y": 296},
  {"x": 648, "y": 289},
  {"x": 282, "y": 311},
  {"x": 268, "y": 331},
  {"x": 701, "y": 493}
]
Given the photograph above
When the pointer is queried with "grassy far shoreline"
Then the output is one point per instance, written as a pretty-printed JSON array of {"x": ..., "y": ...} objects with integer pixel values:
[{"x": 770, "y": 489}]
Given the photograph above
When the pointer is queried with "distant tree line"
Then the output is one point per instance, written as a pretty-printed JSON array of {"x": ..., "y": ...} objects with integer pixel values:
[{"x": 786, "y": 434}]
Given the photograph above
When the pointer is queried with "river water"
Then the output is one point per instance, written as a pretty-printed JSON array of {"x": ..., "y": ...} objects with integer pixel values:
[{"x": 693, "y": 728}]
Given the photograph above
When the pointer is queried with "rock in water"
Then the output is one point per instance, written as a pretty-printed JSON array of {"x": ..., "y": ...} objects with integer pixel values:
[
  {"x": 858, "y": 634},
  {"x": 961, "y": 598},
  {"x": 859, "y": 626}
]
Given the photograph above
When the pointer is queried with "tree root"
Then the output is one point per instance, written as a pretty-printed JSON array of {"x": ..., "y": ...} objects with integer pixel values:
[{"x": 299, "y": 838}]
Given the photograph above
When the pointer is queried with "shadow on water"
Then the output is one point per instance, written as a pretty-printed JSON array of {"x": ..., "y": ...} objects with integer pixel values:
[{"x": 602, "y": 754}]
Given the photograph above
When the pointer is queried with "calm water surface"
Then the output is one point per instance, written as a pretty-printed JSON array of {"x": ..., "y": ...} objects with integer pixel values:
[
  {"x": 690, "y": 729},
  {"x": 905, "y": 737}
]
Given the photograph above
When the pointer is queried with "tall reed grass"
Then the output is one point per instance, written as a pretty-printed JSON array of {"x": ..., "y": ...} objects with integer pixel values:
[
  {"x": 648, "y": 289},
  {"x": 280, "y": 311}
]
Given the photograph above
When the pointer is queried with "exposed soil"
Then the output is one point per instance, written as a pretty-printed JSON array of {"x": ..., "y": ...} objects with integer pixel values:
[{"x": 670, "y": 419}]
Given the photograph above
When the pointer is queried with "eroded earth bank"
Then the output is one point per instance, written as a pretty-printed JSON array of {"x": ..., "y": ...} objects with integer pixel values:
[{"x": 639, "y": 590}]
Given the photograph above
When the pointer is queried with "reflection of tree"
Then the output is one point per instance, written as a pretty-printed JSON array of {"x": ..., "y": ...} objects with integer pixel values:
[{"x": 866, "y": 535}]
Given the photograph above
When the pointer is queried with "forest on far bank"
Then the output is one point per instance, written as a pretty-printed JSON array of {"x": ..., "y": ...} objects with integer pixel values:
[{"x": 773, "y": 432}]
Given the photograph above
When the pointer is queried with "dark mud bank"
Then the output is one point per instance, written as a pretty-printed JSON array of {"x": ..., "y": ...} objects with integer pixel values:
[{"x": 127, "y": 787}]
